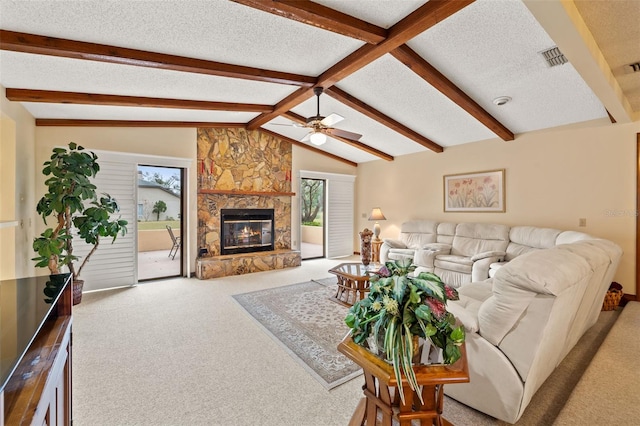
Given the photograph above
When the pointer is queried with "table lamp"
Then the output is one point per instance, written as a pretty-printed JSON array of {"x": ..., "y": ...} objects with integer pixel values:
[{"x": 376, "y": 214}]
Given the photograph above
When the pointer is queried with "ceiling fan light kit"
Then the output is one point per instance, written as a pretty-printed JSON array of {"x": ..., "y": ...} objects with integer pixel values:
[
  {"x": 317, "y": 138},
  {"x": 320, "y": 126}
]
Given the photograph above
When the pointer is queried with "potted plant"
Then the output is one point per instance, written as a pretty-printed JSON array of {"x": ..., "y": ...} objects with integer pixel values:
[
  {"x": 399, "y": 310},
  {"x": 69, "y": 188}
]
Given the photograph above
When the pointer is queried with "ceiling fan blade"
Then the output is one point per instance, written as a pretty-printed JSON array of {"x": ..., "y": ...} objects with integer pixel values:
[
  {"x": 343, "y": 134},
  {"x": 332, "y": 119},
  {"x": 306, "y": 137},
  {"x": 292, "y": 124}
]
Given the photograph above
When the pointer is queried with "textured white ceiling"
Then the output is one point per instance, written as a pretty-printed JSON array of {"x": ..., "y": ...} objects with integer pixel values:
[
  {"x": 489, "y": 49},
  {"x": 616, "y": 29}
]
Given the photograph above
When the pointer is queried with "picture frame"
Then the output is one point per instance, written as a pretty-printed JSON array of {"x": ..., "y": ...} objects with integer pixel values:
[{"x": 475, "y": 192}]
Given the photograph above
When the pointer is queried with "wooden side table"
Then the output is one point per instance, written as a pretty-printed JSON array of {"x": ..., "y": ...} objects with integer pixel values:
[
  {"x": 380, "y": 389},
  {"x": 375, "y": 250},
  {"x": 353, "y": 283}
]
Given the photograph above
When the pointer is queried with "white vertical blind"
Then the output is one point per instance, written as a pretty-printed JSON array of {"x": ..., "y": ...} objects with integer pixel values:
[
  {"x": 116, "y": 265},
  {"x": 113, "y": 265},
  {"x": 339, "y": 212}
]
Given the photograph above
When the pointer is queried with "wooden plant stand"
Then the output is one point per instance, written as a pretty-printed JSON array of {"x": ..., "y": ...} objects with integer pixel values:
[{"x": 381, "y": 399}]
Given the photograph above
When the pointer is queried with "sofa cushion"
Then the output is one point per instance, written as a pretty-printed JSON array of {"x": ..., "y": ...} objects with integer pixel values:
[
  {"x": 568, "y": 237},
  {"x": 524, "y": 239},
  {"x": 397, "y": 254},
  {"x": 394, "y": 243},
  {"x": 446, "y": 232},
  {"x": 471, "y": 298},
  {"x": 549, "y": 272},
  {"x": 417, "y": 233},
  {"x": 472, "y": 238},
  {"x": 438, "y": 247},
  {"x": 454, "y": 263},
  {"x": 485, "y": 254},
  {"x": 417, "y": 241}
]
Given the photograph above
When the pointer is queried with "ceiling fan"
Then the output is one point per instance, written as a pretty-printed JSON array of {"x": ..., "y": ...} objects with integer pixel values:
[{"x": 321, "y": 126}]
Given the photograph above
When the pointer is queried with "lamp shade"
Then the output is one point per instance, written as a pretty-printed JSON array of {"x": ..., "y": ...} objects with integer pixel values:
[{"x": 376, "y": 214}]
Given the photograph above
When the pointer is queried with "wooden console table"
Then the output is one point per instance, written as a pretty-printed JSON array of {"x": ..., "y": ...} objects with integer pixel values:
[
  {"x": 381, "y": 399},
  {"x": 35, "y": 367}
]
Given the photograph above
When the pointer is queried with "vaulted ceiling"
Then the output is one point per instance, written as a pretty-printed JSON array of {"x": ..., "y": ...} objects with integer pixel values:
[{"x": 408, "y": 75}]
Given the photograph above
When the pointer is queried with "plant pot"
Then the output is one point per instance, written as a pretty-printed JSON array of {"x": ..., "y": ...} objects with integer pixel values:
[
  {"x": 377, "y": 348},
  {"x": 77, "y": 291}
]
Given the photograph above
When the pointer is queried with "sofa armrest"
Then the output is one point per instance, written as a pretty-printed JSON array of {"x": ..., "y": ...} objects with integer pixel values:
[
  {"x": 480, "y": 268},
  {"x": 498, "y": 255},
  {"x": 426, "y": 255},
  {"x": 394, "y": 243}
]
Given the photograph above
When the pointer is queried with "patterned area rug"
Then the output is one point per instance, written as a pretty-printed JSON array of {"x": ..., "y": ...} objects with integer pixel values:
[{"x": 308, "y": 326}]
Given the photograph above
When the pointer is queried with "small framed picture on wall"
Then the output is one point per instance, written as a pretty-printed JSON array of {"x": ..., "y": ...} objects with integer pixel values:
[{"x": 475, "y": 192}]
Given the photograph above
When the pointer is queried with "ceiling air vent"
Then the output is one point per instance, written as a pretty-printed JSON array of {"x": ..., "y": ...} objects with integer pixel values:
[
  {"x": 631, "y": 68},
  {"x": 554, "y": 57}
]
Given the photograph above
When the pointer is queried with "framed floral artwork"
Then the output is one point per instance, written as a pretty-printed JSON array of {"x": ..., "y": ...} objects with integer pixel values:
[{"x": 475, "y": 192}]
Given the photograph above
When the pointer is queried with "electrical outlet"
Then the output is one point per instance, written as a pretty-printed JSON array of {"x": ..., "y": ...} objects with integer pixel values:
[
  {"x": 582, "y": 222},
  {"x": 364, "y": 215}
]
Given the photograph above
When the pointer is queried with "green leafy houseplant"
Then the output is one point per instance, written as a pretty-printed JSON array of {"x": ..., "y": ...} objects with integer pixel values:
[
  {"x": 400, "y": 309},
  {"x": 69, "y": 188}
]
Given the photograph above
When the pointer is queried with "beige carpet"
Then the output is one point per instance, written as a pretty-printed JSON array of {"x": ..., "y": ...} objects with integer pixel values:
[
  {"x": 183, "y": 352},
  {"x": 307, "y": 324}
]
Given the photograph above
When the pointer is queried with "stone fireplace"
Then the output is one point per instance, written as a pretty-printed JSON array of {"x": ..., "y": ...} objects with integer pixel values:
[{"x": 250, "y": 171}]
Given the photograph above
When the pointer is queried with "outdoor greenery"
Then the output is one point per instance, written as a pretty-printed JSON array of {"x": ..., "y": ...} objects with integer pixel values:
[
  {"x": 314, "y": 223},
  {"x": 312, "y": 200},
  {"x": 68, "y": 189},
  {"x": 400, "y": 309},
  {"x": 159, "y": 207}
]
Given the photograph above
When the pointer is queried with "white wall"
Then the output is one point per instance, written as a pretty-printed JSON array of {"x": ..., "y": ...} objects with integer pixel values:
[
  {"x": 553, "y": 178},
  {"x": 18, "y": 138}
]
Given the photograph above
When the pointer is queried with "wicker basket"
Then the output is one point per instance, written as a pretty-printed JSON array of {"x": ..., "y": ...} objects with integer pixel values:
[{"x": 612, "y": 299}]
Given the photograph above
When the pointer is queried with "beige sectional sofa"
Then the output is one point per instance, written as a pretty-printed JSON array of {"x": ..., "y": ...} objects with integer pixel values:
[{"x": 545, "y": 292}]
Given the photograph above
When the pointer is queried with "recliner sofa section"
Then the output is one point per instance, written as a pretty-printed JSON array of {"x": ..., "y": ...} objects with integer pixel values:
[
  {"x": 521, "y": 323},
  {"x": 461, "y": 253}
]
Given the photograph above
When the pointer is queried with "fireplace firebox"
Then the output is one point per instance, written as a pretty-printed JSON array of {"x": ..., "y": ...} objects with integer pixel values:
[{"x": 246, "y": 230}]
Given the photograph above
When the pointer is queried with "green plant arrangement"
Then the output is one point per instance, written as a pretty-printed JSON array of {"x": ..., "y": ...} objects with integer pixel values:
[
  {"x": 400, "y": 309},
  {"x": 68, "y": 189}
]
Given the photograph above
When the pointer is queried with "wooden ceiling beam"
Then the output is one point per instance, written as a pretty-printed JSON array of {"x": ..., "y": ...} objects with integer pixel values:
[
  {"x": 310, "y": 148},
  {"x": 56, "y": 122},
  {"x": 374, "y": 114},
  {"x": 297, "y": 118},
  {"x": 435, "y": 78},
  {"x": 420, "y": 20},
  {"x": 291, "y": 101},
  {"x": 364, "y": 147},
  {"x": 49, "y": 96},
  {"x": 51, "y": 46},
  {"x": 320, "y": 16},
  {"x": 415, "y": 23}
]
